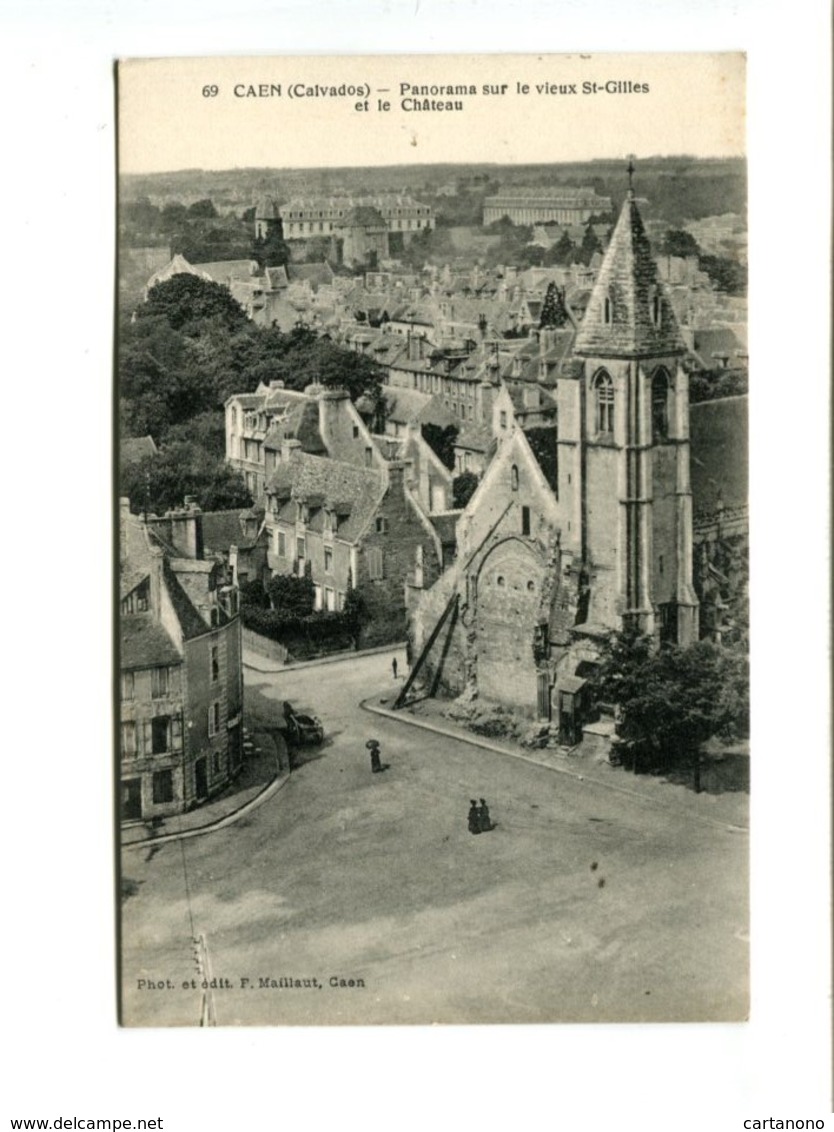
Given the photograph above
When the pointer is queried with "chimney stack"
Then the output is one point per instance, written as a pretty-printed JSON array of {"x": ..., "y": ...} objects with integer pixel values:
[
  {"x": 187, "y": 529},
  {"x": 288, "y": 446}
]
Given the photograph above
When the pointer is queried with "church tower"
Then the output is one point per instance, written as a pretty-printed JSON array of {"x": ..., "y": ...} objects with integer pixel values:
[{"x": 624, "y": 440}]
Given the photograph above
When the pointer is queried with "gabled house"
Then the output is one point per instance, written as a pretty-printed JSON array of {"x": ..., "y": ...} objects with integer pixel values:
[
  {"x": 352, "y": 527},
  {"x": 179, "y": 665}
]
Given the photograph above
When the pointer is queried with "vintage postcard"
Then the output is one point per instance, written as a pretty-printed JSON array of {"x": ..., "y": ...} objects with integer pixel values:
[{"x": 433, "y": 540}]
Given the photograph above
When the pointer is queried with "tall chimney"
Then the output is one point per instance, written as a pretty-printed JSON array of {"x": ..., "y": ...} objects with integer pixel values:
[{"x": 187, "y": 530}]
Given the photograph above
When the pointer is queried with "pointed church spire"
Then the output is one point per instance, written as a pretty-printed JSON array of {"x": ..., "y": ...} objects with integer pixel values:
[
  {"x": 628, "y": 313},
  {"x": 630, "y": 171}
]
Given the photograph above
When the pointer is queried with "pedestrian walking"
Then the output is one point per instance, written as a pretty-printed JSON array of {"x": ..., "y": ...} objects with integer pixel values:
[
  {"x": 394, "y": 667},
  {"x": 474, "y": 817},
  {"x": 484, "y": 820},
  {"x": 377, "y": 764}
]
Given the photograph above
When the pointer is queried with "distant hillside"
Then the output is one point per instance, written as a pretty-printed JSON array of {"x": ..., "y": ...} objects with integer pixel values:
[{"x": 675, "y": 188}]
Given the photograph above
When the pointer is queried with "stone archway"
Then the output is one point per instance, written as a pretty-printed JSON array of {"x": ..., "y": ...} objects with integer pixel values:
[{"x": 509, "y": 592}]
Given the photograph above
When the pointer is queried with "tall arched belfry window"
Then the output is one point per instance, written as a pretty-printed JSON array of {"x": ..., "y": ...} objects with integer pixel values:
[
  {"x": 604, "y": 392},
  {"x": 660, "y": 406},
  {"x": 514, "y": 478}
]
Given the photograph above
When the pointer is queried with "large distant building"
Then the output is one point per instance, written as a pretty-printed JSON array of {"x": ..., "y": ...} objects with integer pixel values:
[
  {"x": 304, "y": 217},
  {"x": 546, "y": 206}
]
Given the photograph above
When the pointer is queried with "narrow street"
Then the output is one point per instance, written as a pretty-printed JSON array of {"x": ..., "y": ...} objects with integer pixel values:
[{"x": 582, "y": 904}]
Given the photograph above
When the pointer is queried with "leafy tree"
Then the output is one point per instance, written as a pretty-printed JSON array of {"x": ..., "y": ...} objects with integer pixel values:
[
  {"x": 253, "y": 595},
  {"x": 271, "y": 250},
  {"x": 590, "y": 245},
  {"x": 679, "y": 242},
  {"x": 354, "y": 611},
  {"x": 292, "y": 596},
  {"x": 671, "y": 701},
  {"x": 441, "y": 441},
  {"x": 206, "y": 430},
  {"x": 202, "y": 209},
  {"x": 185, "y": 299},
  {"x": 174, "y": 215},
  {"x": 463, "y": 488},
  {"x": 707, "y": 385},
  {"x": 554, "y": 312},
  {"x": 725, "y": 274},
  {"x": 563, "y": 252},
  {"x": 161, "y": 482}
]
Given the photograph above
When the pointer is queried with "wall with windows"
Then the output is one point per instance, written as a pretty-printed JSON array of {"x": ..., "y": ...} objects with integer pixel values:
[
  {"x": 213, "y": 703},
  {"x": 152, "y": 740},
  {"x": 387, "y": 559}
]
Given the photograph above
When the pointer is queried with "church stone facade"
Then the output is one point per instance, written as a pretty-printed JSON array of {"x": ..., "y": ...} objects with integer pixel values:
[{"x": 592, "y": 531}]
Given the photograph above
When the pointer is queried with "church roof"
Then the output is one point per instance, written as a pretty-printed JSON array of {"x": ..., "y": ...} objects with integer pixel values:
[
  {"x": 266, "y": 209},
  {"x": 628, "y": 279}
]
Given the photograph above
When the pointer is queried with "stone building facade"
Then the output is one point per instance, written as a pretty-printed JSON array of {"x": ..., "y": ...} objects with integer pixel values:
[
  {"x": 351, "y": 527},
  {"x": 543, "y": 206},
  {"x": 180, "y": 668},
  {"x": 306, "y": 217}
]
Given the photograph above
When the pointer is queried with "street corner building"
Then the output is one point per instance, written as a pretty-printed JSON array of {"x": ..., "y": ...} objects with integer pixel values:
[
  {"x": 582, "y": 527},
  {"x": 180, "y": 666}
]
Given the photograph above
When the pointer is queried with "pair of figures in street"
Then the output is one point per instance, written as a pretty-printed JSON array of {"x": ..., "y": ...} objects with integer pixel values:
[{"x": 479, "y": 819}]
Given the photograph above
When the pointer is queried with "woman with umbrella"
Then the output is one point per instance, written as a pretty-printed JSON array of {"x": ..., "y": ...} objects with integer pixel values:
[{"x": 376, "y": 764}]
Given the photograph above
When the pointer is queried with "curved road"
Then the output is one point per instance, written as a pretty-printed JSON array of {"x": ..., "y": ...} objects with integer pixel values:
[{"x": 582, "y": 905}]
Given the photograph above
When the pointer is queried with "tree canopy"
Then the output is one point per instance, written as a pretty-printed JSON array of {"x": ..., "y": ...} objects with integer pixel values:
[
  {"x": 463, "y": 488},
  {"x": 161, "y": 482},
  {"x": 185, "y": 299},
  {"x": 672, "y": 700}
]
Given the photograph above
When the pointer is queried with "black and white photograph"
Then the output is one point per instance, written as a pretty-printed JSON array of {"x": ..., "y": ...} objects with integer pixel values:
[
  {"x": 419, "y": 710},
  {"x": 433, "y": 538}
]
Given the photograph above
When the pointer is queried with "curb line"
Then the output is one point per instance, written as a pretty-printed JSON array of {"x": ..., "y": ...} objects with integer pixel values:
[
  {"x": 269, "y": 791},
  {"x": 334, "y": 658},
  {"x": 477, "y": 741}
]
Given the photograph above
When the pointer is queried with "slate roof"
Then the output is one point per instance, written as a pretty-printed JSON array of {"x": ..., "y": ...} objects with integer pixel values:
[
  {"x": 313, "y": 273},
  {"x": 144, "y": 643},
  {"x": 276, "y": 278},
  {"x": 716, "y": 343},
  {"x": 136, "y": 558},
  {"x": 718, "y": 446},
  {"x": 222, "y": 529},
  {"x": 225, "y": 270},
  {"x": 445, "y": 524},
  {"x": 266, "y": 209},
  {"x": 627, "y": 276},
  {"x": 543, "y": 445},
  {"x": 405, "y": 405},
  {"x": 302, "y": 424},
  {"x": 191, "y": 623},
  {"x": 363, "y": 216},
  {"x": 334, "y": 481},
  {"x": 474, "y": 437}
]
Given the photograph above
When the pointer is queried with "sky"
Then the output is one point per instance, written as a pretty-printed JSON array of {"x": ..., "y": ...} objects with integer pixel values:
[{"x": 280, "y": 112}]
